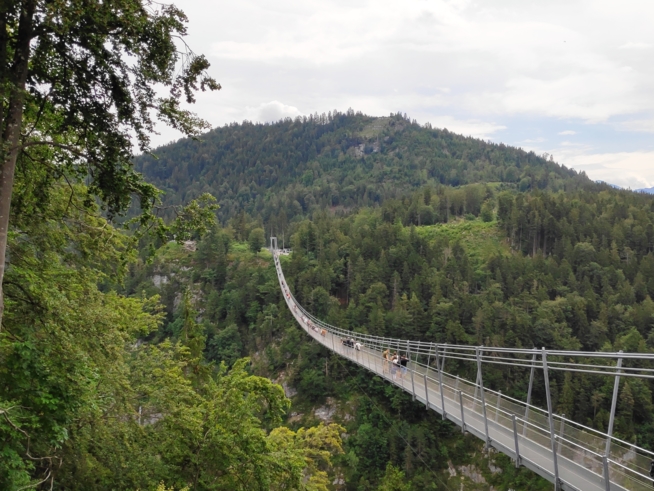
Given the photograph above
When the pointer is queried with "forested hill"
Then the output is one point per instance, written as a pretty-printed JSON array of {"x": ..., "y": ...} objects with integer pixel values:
[
  {"x": 340, "y": 161},
  {"x": 403, "y": 231}
]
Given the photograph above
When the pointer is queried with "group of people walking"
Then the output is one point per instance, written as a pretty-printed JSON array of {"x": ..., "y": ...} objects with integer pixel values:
[
  {"x": 396, "y": 364},
  {"x": 351, "y": 343},
  {"x": 323, "y": 332}
]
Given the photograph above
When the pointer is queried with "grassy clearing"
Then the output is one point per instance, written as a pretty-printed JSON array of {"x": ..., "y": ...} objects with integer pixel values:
[
  {"x": 480, "y": 239},
  {"x": 264, "y": 254},
  {"x": 373, "y": 129}
]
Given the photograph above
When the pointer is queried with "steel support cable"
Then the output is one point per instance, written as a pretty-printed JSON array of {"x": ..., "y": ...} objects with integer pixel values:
[
  {"x": 554, "y": 353},
  {"x": 560, "y": 366},
  {"x": 606, "y": 370},
  {"x": 567, "y": 363},
  {"x": 523, "y": 351},
  {"x": 462, "y": 356},
  {"x": 567, "y": 368},
  {"x": 425, "y": 349},
  {"x": 581, "y": 446},
  {"x": 541, "y": 411},
  {"x": 512, "y": 360},
  {"x": 415, "y": 349}
]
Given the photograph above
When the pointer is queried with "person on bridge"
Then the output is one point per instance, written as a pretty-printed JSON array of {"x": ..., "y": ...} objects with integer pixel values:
[
  {"x": 395, "y": 364},
  {"x": 386, "y": 355},
  {"x": 403, "y": 363},
  {"x": 651, "y": 470},
  {"x": 357, "y": 346}
]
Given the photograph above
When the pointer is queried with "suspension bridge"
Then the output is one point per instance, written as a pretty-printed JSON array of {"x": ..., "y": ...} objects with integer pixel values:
[{"x": 572, "y": 456}]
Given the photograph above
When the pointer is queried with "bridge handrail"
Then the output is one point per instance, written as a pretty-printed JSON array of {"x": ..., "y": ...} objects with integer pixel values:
[
  {"x": 427, "y": 348},
  {"x": 446, "y": 351}
]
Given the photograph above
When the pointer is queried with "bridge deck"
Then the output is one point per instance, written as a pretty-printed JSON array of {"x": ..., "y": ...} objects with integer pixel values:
[{"x": 577, "y": 472}]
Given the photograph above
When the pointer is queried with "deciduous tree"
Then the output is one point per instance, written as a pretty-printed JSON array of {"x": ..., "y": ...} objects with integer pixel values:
[{"x": 82, "y": 79}]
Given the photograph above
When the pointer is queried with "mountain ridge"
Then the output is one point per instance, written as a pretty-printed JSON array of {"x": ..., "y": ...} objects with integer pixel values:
[
  {"x": 427, "y": 235},
  {"x": 337, "y": 161}
]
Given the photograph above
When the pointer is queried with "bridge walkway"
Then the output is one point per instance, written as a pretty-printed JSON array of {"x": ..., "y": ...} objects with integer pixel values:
[{"x": 510, "y": 431}]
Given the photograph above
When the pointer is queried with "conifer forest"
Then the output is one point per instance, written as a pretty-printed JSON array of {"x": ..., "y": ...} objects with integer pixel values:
[{"x": 144, "y": 340}]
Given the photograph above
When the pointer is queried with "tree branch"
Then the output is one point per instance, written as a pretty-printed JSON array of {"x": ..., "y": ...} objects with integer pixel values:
[{"x": 69, "y": 148}]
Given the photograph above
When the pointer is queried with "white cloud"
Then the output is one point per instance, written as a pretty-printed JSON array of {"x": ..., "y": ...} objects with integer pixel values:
[
  {"x": 474, "y": 128},
  {"x": 592, "y": 95},
  {"x": 272, "y": 111},
  {"x": 474, "y": 67},
  {"x": 567, "y": 132},
  {"x": 632, "y": 45},
  {"x": 633, "y": 170},
  {"x": 529, "y": 59},
  {"x": 636, "y": 125}
]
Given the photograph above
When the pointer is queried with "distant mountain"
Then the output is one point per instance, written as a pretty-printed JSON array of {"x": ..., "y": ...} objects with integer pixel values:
[
  {"x": 646, "y": 190},
  {"x": 337, "y": 161},
  {"x": 614, "y": 186}
]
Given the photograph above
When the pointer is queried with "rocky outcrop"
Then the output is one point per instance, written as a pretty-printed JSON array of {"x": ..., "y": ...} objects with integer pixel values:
[
  {"x": 289, "y": 390},
  {"x": 472, "y": 474},
  {"x": 326, "y": 413},
  {"x": 159, "y": 280}
]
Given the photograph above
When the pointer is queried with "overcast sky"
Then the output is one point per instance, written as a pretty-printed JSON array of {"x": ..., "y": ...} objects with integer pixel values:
[{"x": 571, "y": 78}]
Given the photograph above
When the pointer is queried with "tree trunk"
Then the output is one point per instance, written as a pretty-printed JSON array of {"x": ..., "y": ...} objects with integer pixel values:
[
  {"x": 534, "y": 248},
  {"x": 12, "y": 128}
]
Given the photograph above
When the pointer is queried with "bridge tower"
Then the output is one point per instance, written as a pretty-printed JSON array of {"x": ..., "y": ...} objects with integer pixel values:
[{"x": 273, "y": 243}]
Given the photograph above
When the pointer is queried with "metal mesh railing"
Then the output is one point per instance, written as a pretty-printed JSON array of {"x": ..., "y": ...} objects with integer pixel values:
[{"x": 519, "y": 428}]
